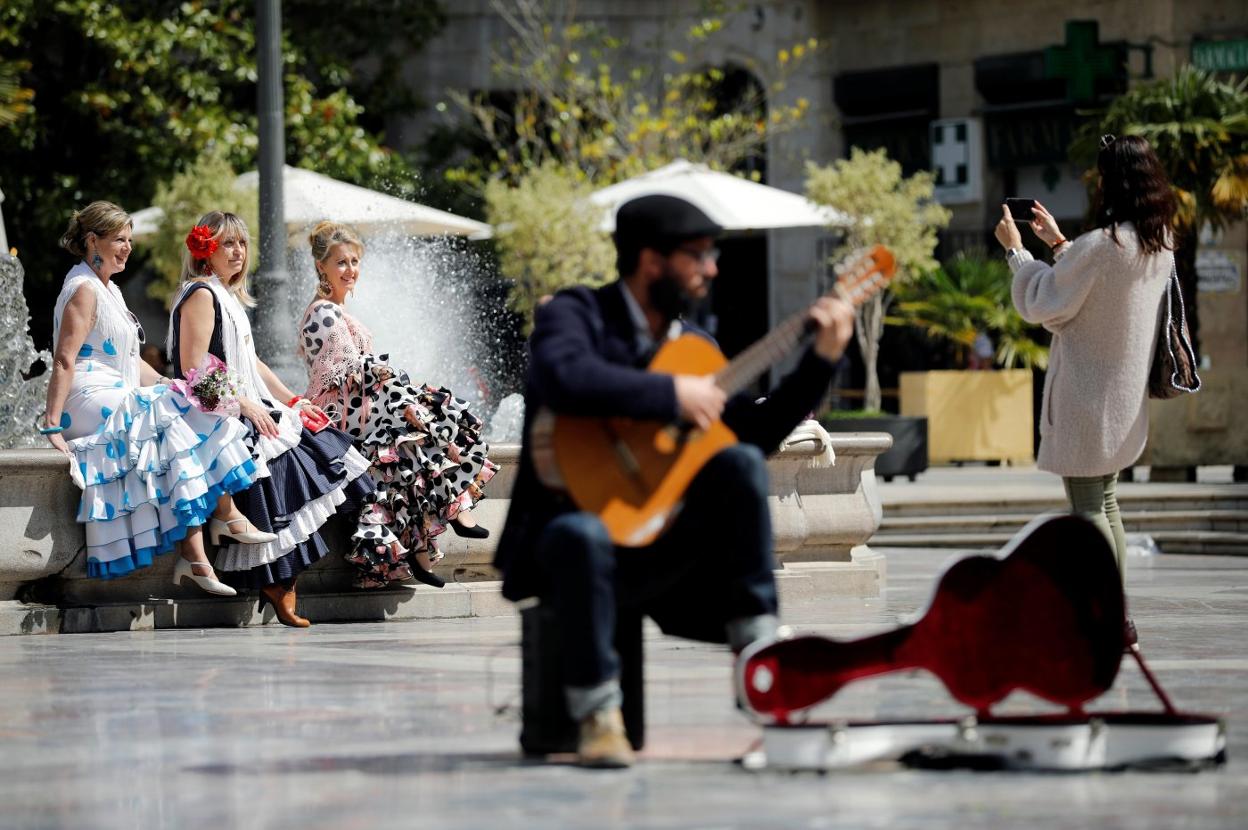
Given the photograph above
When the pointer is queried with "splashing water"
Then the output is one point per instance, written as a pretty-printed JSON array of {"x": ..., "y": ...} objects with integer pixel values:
[
  {"x": 507, "y": 424},
  {"x": 21, "y": 400},
  {"x": 419, "y": 298}
]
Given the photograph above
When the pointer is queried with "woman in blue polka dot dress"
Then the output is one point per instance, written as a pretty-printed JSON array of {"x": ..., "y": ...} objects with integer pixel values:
[{"x": 153, "y": 468}]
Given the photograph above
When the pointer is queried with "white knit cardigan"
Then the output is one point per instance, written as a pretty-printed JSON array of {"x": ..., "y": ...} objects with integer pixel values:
[{"x": 1101, "y": 299}]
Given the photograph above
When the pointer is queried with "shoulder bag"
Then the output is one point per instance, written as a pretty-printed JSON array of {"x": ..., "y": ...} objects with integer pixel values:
[{"x": 1174, "y": 361}]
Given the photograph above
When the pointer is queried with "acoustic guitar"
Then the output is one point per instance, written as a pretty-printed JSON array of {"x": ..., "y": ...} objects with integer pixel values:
[
  {"x": 633, "y": 473},
  {"x": 1046, "y": 616}
]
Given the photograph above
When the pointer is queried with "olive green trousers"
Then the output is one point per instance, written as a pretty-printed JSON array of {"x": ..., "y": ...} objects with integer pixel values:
[{"x": 1095, "y": 498}]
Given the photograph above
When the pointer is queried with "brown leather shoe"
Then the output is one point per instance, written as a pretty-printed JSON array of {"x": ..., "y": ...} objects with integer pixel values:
[
  {"x": 603, "y": 743},
  {"x": 283, "y": 601}
]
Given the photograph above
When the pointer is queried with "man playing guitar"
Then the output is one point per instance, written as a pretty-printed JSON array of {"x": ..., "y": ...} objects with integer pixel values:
[{"x": 709, "y": 575}]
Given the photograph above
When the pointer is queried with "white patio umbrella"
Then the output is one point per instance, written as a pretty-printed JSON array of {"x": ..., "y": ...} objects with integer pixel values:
[
  {"x": 309, "y": 197},
  {"x": 733, "y": 202}
]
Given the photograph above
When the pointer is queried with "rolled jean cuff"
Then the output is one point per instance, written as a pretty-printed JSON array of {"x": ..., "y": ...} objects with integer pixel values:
[
  {"x": 583, "y": 701},
  {"x": 745, "y": 630}
]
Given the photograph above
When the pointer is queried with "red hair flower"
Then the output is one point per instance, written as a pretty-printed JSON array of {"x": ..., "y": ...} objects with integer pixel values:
[{"x": 200, "y": 242}]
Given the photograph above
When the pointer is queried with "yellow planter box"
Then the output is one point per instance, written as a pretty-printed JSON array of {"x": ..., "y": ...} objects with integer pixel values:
[{"x": 973, "y": 416}]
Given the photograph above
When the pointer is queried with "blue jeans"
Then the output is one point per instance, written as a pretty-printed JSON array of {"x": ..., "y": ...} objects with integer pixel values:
[{"x": 712, "y": 566}]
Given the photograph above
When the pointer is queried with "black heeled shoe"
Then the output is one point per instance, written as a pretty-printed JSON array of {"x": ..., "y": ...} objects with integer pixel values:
[
  {"x": 427, "y": 577},
  {"x": 474, "y": 532}
]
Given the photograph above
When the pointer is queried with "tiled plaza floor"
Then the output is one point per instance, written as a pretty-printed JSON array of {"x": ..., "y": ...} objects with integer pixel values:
[{"x": 414, "y": 725}]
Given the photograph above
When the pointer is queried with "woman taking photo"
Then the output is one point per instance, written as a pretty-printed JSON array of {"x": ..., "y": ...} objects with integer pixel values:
[
  {"x": 1101, "y": 299},
  {"x": 423, "y": 444},
  {"x": 304, "y": 477},
  {"x": 153, "y": 468}
]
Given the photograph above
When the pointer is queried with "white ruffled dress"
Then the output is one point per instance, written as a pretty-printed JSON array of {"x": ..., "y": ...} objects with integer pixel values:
[{"x": 151, "y": 465}]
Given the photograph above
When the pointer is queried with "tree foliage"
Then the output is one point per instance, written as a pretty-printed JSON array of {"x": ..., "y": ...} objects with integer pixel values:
[
  {"x": 14, "y": 98},
  {"x": 127, "y": 95},
  {"x": 588, "y": 100},
  {"x": 585, "y": 110},
  {"x": 1198, "y": 125},
  {"x": 545, "y": 212},
  {"x": 890, "y": 209}
]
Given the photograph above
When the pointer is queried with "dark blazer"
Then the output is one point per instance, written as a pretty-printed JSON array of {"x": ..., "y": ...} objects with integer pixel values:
[{"x": 583, "y": 360}]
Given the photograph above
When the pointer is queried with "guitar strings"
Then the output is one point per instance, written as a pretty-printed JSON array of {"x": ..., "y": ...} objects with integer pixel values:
[{"x": 859, "y": 277}]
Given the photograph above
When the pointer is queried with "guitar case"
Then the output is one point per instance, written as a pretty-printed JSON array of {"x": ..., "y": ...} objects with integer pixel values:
[{"x": 1046, "y": 616}]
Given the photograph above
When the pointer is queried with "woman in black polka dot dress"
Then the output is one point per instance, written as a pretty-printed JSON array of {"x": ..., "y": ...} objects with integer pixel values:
[{"x": 424, "y": 444}]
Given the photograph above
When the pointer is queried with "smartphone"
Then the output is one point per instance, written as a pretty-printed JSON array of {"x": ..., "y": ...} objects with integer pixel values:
[{"x": 1020, "y": 209}]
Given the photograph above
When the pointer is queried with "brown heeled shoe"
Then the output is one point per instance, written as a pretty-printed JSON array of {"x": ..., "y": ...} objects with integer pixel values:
[{"x": 283, "y": 601}]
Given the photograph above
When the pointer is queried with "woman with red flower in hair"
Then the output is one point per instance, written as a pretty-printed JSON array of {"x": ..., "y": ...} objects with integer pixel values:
[{"x": 306, "y": 472}]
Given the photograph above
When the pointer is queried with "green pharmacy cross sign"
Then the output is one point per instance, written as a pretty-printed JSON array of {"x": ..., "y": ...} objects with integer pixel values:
[{"x": 1082, "y": 61}]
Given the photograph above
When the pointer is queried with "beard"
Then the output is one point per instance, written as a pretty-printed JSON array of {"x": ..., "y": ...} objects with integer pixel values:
[{"x": 668, "y": 298}]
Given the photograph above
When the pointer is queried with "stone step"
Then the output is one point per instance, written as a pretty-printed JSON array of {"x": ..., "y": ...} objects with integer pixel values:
[
  {"x": 1227, "y": 521},
  {"x": 1004, "y": 504},
  {"x": 1202, "y": 541},
  {"x": 796, "y": 583},
  {"x": 1169, "y": 541}
]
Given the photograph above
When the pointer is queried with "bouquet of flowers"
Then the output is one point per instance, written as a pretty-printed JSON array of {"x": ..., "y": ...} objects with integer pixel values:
[{"x": 211, "y": 387}]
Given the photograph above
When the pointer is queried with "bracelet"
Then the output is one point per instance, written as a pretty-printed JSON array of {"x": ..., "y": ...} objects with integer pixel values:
[
  {"x": 51, "y": 430},
  {"x": 1061, "y": 240},
  {"x": 291, "y": 403}
]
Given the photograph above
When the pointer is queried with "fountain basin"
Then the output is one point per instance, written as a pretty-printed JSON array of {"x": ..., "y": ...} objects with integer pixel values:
[{"x": 822, "y": 519}]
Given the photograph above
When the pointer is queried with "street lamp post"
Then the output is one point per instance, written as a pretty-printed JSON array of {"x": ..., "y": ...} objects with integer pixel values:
[{"x": 275, "y": 327}]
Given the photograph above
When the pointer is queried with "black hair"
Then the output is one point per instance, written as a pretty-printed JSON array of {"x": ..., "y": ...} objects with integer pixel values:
[{"x": 1134, "y": 188}]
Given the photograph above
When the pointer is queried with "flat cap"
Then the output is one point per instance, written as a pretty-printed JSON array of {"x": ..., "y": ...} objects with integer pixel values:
[{"x": 660, "y": 219}]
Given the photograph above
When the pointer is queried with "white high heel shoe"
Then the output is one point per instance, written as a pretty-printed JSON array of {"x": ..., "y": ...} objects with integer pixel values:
[
  {"x": 209, "y": 584},
  {"x": 218, "y": 530}
]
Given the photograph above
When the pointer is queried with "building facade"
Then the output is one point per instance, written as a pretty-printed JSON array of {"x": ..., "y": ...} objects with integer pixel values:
[{"x": 987, "y": 94}]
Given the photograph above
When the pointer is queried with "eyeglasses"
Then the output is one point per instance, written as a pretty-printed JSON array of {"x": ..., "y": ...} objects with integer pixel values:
[{"x": 707, "y": 257}]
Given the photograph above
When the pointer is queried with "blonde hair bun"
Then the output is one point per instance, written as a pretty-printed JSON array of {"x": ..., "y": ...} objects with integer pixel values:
[
  {"x": 327, "y": 234},
  {"x": 100, "y": 218}
]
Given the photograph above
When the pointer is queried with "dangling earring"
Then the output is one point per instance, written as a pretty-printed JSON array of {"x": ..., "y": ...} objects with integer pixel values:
[
  {"x": 322, "y": 285},
  {"x": 96, "y": 260}
]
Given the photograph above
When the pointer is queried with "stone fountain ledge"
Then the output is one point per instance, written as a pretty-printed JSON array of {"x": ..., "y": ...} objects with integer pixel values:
[{"x": 822, "y": 520}]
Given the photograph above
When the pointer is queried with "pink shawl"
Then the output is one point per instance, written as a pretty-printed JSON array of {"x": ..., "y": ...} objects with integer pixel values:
[{"x": 336, "y": 370}]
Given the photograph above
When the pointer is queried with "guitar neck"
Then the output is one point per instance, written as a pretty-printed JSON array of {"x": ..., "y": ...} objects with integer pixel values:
[
  {"x": 746, "y": 367},
  {"x": 864, "y": 275}
]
